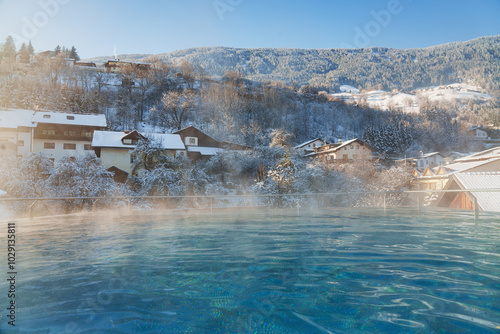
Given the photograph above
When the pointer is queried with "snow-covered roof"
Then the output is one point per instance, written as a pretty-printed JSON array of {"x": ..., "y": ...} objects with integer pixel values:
[
  {"x": 109, "y": 139},
  {"x": 12, "y": 118},
  {"x": 337, "y": 147},
  {"x": 307, "y": 143},
  {"x": 168, "y": 141},
  {"x": 488, "y": 201},
  {"x": 466, "y": 165},
  {"x": 113, "y": 139},
  {"x": 204, "y": 150},
  {"x": 70, "y": 119},
  {"x": 428, "y": 155},
  {"x": 486, "y": 154}
]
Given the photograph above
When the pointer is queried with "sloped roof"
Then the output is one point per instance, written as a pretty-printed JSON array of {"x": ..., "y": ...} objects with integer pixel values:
[
  {"x": 339, "y": 146},
  {"x": 12, "y": 118},
  {"x": 208, "y": 151},
  {"x": 113, "y": 139},
  {"x": 488, "y": 201},
  {"x": 467, "y": 165},
  {"x": 70, "y": 119},
  {"x": 109, "y": 139},
  {"x": 428, "y": 155},
  {"x": 486, "y": 154},
  {"x": 307, "y": 143},
  {"x": 168, "y": 140}
]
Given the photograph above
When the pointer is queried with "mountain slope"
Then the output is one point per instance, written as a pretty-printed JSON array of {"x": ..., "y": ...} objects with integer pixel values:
[{"x": 476, "y": 62}]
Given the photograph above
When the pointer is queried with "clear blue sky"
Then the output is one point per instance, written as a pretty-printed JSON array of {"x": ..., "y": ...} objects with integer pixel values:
[{"x": 96, "y": 27}]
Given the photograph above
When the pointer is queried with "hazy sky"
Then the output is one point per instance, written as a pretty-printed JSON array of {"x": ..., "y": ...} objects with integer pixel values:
[{"x": 96, "y": 27}]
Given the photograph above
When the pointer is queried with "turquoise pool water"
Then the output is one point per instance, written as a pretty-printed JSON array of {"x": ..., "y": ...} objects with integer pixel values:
[{"x": 257, "y": 271}]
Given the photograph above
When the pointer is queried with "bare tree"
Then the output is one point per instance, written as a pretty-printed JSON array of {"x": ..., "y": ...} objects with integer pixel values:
[
  {"x": 188, "y": 73},
  {"x": 101, "y": 79},
  {"x": 177, "y": 105}
]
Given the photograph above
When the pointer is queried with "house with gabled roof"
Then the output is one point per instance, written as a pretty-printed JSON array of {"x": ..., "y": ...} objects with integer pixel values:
[
  {"x": 55, "y": 134},
  {"x": 425, "y": 160},
  {"x": 309, "y": 146},
  {"x": 486, "y": 201},
  {"x": 477, "y": 133},
  {"x": 348, "y": 151},
  {"x": 114, "y": 148}
]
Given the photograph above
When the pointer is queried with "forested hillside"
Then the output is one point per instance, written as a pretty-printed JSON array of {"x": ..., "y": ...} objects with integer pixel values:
[{"x": 476, "y": 61}]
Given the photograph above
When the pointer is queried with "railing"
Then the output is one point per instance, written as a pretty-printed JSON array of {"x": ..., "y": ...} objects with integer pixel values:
[{"x": 419, "y": 194}]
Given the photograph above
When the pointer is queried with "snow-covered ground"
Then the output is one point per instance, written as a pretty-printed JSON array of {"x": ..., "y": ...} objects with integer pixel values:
[{"x": 409, "y": 102}]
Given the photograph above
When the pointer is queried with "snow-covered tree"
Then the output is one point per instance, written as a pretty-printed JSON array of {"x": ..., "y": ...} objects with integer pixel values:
[{"x": 9, "y": 48}]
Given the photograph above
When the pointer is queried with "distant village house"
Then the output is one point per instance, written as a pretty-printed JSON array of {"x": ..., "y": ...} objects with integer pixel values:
[{"x": 348, "y": 151}]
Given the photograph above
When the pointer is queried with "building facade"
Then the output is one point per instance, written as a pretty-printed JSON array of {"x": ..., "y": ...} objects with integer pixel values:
[
  {"x": 348, "y": 151},
  {"x": 55, "y": 134}
]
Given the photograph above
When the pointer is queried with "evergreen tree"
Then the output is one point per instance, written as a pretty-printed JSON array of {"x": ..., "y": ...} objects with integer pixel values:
[
  {"x": 73, "y": 54},
  {"x": 9, "y": 48},
  {"x": 57, "y": 51},
  {"x": 31, "y": 50},
  {"x": 25, "y": 56}
]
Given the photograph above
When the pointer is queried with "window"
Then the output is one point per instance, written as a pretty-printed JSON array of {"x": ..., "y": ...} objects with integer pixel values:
[
  {"x": 70, "y": 133},
  {"x": 20, "y": 143},
  {"x": 357, "y": 147},
  {"x": 87, "y": 147},
  {"x": 87, "y": 134},
  {"x": 67, "y": 146},
  {"x": 127, "y": 141},
  {"x": 70, "y": 117},
  {"x": 49, "y": 132},
  {"x": 49, "y": 146},
  {"x": 191, "y": 141},
  {"x": 46, "y": 116},
  {"x": 131, "y": 159},
  {"x": 352, "y": 146}
]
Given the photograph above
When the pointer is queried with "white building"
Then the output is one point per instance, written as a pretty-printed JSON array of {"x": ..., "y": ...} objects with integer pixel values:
[
  {"x": 309, "y": 146},
  {"x": 430, "y": 160},
  {"x": 16, "y": 132},
  {"x": 115, "y": 148},
  {"x": 348, "y": 151},
  {"x": 478, "y": 134},
  {"x": 55, "y": 134}
]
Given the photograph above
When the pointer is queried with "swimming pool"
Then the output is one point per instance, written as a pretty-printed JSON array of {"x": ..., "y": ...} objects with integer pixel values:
[{"x": 257, "y": 271}]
